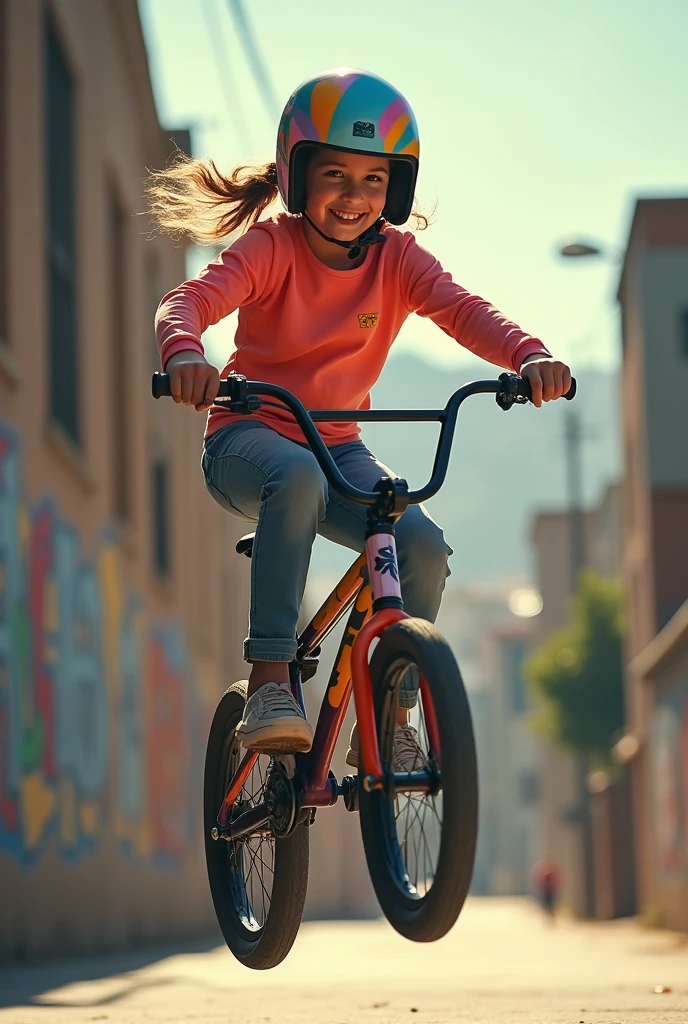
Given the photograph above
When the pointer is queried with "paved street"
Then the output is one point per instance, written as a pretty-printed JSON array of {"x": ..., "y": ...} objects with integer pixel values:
[{"x": 502, "y": 963}]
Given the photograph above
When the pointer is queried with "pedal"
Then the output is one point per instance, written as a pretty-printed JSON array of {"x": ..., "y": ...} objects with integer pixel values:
[{"x": 309, "y": 666}]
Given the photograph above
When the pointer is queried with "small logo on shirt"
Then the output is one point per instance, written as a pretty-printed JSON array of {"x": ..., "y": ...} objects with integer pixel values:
[
  {"x": 367, "y": 319},
  {"x": 364, "y": 129}
]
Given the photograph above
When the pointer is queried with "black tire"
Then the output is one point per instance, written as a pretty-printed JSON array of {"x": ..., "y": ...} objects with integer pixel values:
[
  {"x": 258, "y": 940},
  {"x": 419, "y": 911}
]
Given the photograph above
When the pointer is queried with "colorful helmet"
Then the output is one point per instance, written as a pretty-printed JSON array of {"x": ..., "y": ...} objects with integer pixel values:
[{"x": 354, "y": 111}]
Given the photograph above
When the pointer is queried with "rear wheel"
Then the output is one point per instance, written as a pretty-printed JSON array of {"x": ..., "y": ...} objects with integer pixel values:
[
  {"x": 420, "y": 847},
  {"x": 258, "y": 883}
]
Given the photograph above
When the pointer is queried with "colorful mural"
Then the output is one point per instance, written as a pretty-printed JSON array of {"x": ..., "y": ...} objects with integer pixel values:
[
  {"x": 670, "y": 783},
  {"x": 101, "y": 732}
]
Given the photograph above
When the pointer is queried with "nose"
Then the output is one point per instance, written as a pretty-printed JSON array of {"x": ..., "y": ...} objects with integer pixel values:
[{"x": 352, "y": 190}]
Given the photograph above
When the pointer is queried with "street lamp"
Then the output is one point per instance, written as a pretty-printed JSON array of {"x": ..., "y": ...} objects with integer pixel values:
[
  {"x": 579, "y": 249},
  {"x": 574, "y": 249}
]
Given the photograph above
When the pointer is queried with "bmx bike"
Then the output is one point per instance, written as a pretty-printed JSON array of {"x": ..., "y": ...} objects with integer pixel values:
[{"x": 419, "y": 827}]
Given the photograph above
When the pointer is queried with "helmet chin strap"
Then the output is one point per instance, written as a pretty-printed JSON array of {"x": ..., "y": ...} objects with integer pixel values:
[{"x": 371, "y": 236}]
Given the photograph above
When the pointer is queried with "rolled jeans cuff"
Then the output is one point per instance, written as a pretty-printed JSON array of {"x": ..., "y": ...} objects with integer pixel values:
[
  {"x": 408, "y": 691},
  {"x": 269, "y": 650}
]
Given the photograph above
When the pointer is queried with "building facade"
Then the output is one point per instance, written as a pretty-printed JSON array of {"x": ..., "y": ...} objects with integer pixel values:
[
  {"x": 561, "y": 773},
  {"x": 121, "y": 598},
  {"x": 653, "y": 294},
  {"x": 491, "y": 643}
]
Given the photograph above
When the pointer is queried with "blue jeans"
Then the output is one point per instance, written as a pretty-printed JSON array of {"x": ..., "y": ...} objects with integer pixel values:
[{"x": 259, "y": 476}]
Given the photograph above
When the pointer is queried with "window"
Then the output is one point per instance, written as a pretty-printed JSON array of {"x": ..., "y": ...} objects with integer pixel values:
[
  {"x": 528, "y": 788},
  {"x": 514, "y": 656},
  {"x": 60, "y": 236},
  {"x": 683, "y": 331},
  {"x": 120, "y": 384},
  {"x": 161, "y": 526}
]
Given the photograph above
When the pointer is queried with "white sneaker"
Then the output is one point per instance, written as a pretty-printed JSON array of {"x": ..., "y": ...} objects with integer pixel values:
[
  {"x": 408, "y": 755},
  {"x": 273, "y": 722}
]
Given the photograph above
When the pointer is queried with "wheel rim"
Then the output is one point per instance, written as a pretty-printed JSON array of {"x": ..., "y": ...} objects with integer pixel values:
[
  {"x": 250, "y": 861},
  {"x": 414, "y": 820}
]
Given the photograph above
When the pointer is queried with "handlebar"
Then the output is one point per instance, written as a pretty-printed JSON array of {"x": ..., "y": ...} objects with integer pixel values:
[{"x": 243, "y": 396}]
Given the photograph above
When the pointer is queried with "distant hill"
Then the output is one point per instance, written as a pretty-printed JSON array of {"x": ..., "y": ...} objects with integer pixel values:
[{"x": 505, "y": 467}]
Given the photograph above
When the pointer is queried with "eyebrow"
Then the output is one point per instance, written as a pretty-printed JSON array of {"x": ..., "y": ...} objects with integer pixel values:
[{"x": 337, "y": 163}]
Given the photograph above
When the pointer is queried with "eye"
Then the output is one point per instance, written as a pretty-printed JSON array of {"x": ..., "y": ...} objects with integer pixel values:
[
  {"x": 334, "y": 172},
  {"x": 374, "y": 177}
]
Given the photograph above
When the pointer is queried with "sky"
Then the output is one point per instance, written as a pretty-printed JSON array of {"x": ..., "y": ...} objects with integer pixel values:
[{"x": 539, "y": 122}]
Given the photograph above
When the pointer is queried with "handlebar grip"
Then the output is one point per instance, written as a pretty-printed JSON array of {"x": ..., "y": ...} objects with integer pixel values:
[
  {"x": 160, "y": 385},
  {"x": 525, "y": 389}
]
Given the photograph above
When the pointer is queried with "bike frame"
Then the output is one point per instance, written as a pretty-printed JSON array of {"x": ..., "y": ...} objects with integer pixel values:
[{"x": 350, "y": 672}]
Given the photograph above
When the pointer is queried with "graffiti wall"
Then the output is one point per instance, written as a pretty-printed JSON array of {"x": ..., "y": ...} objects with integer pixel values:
[
  {"x": 670, "y": 784},
  {"x": 99, "y": 715}
]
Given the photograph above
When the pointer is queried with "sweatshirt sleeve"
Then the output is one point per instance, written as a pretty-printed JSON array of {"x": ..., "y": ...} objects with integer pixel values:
[
  {"x": 236, "y": 278},
  {"x": 470, "y": 320}
]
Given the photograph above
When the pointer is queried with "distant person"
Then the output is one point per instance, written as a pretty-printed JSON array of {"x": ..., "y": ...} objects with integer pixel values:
[
  {"x": 546, "y": 882},
  {"x": 322, "y": 292}
]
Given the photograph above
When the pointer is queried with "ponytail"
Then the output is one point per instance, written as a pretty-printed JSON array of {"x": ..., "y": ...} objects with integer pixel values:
[{"x": 194, "y": 200}]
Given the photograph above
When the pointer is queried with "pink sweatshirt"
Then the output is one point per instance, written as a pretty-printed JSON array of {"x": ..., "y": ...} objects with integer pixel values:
[{"x": 325, "y": 334}]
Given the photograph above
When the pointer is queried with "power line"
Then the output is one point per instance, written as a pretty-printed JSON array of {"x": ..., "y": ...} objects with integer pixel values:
[
  {"x": 227, "y": 84},
  {"x": 260, "y": 72}
]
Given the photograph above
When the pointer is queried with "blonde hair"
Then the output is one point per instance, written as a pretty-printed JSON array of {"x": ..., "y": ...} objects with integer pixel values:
[{"x": 194, "y": 200}]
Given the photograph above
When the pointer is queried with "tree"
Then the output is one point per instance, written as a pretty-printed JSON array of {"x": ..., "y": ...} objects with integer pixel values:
[{"x": 578, "y": 673}]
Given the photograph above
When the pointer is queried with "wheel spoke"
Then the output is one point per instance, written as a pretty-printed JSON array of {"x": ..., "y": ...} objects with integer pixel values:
[
  {"x": 418, "y": 821},
  {"x": 416, "y": 836},
  {"x": 426, "y": 850},
  {"x": 248, "y": 862},
  {"x": 255, "y": 873}
]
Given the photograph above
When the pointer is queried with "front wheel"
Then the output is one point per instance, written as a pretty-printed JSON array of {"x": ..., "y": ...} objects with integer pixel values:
[
  {"x": 258, "y": 883},
  {"x": 420, "y": 848}
]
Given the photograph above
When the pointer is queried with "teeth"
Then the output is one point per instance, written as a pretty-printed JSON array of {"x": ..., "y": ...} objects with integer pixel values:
[{"x": 346, "y": 216}]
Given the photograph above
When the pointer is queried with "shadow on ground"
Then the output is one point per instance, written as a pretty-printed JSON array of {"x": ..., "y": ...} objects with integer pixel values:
[{"x": 25, "y": 985}]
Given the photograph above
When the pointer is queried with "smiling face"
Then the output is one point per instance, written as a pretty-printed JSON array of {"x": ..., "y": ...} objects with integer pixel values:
[{"x": 345, "y": 192}]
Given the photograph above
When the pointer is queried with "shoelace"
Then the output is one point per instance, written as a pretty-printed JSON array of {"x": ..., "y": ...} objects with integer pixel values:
[
  {"x": 276, "y": 698},
  {"x": 405, "y": 744}
]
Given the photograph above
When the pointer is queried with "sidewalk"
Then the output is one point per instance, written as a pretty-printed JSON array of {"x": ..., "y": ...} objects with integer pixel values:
[{"x": 502, "y": 963}]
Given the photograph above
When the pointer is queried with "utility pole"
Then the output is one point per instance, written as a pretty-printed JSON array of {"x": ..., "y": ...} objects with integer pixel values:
[{"x": 573, "y": 437}]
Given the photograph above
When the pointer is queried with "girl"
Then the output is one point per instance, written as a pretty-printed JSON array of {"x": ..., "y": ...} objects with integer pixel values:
[{"x": 322, "y": 292}]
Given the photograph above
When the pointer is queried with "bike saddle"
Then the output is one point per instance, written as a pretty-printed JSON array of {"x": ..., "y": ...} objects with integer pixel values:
[{"x": 244, "y": 546}]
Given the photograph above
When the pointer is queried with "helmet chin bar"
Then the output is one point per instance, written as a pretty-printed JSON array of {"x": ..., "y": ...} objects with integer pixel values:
[{"x": 371, "y": 236}]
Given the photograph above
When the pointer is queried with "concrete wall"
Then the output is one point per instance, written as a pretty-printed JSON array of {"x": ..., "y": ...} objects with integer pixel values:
[
  {"x": 517, "y": 747},
  {"x": 109, "y": 668},
  {"x": 661, "y": 774}
]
